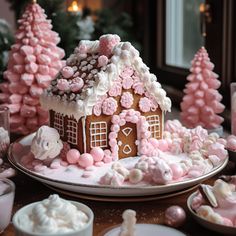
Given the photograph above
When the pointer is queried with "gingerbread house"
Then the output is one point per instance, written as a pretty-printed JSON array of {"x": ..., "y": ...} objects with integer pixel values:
[{"x": 106, "y": 97}]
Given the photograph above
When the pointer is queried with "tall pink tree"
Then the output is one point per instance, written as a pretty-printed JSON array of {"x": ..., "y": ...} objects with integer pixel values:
[
  {"x": 34, "y": 61},
  {"x": 201, "y": 103}
]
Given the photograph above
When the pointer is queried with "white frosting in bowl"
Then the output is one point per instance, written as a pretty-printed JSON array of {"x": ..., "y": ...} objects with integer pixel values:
[{"x": 52, "y": 216}]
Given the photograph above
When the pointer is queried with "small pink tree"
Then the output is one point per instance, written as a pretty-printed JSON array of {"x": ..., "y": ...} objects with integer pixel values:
[
  {"x": 33, "y": 63},
  {"x": 201, "y": 102}
]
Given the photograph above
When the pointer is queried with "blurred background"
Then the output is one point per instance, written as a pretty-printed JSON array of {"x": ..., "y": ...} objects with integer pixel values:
[{"x": 167, "y": 32}]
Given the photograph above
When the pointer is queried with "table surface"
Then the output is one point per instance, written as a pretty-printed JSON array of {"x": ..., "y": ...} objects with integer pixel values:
[{"x": 108, "y": 214}]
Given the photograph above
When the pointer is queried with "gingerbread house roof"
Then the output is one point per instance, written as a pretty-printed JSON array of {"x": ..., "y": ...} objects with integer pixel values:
[{"x": 90, "y": 72}]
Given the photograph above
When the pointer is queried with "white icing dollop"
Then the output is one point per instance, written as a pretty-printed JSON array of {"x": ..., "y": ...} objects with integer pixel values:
[
  {"x": 46, "y": 143},
  {"x": 53, "y": 215}
]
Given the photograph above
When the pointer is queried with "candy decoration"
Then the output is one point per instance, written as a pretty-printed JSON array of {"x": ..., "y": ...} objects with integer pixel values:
[
  {"x": 174, "y": 216},
  {"x": 34, "y": 61},
  {"x": 201, "y": 102},
  {"x": 72, "y": 156}
]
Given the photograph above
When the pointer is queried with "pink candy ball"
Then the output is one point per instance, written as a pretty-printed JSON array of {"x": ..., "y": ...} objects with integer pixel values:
[
  {"x": 97, "y": 153},
  {"x": 72, "y": 156},
  {"x": 154, "y": 142},
  {"x": 176, "y": 170},
  {"x": 163, "y": 145},
  {"x": 85, "y": 160}
]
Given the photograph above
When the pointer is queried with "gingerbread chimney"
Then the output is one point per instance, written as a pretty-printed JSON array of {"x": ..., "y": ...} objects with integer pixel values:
[{"x": 107, "y": 43}]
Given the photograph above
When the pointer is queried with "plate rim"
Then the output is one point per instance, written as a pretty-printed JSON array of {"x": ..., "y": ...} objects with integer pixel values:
[
  {"x": 30, "y": 173},
  {"x": 106, "y": 231},
  {"x": 132, "y": 198}
]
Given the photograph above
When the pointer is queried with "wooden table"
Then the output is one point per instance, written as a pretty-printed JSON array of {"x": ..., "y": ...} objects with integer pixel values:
[{"x": 108, "y": 214}]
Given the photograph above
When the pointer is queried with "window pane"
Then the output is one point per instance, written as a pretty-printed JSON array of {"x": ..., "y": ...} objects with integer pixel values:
[{"x": 183, "y": 36}]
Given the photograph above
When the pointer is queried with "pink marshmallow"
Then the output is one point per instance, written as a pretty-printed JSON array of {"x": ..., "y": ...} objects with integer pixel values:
[
  {"x": 26, "y": 50},
  {"x": 52, "y": 72},
  {"x": 31, "y": 68},
  {"x": 19, "y": 69},
  {"x": 43, "y": 59},
  {"x": 16, "y": 120},
  {"x": 37, "y": 50},
  {"x": 35, "y": 91},
  {"x": 27, "y": 111},
  {"x": 18, "y": 58},
  {"x": 11, "y": 76},
  {"x": 43, "y": 80},
  {"x": 30, "y": 58},
  {"x": 4, "y": 98},
  {"x": 176, "y": 170},
  {"x": 43, "y": 69},
  {"x": 18, "y": 88},
  {"x": 4, "y": 87},
  {"x": 15, "y": 98},
  {"x": 32, "y": 122},
  {"x": 41, "y": 111},
  {"x": 27, "y": 79}
]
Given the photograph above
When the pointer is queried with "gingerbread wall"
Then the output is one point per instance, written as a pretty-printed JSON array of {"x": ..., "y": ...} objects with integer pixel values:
[{"x": 107, "y": 119}]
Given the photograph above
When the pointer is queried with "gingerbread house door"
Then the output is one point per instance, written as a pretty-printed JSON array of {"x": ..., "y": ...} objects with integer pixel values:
[{"x": 126, "y": 140}]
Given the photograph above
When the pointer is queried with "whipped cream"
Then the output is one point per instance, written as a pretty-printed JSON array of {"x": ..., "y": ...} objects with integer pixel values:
[{"x": 53, "y": 216}]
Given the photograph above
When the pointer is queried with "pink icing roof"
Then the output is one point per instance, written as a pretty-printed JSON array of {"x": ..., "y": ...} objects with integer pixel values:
[{"x": 96, "y": 65}]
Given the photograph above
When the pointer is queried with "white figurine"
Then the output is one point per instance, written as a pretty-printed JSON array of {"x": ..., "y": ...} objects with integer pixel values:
[{"x": 128, "y": 225}]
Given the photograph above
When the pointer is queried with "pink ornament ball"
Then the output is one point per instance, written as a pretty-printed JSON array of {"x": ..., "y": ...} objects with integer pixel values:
[
  {"x": 174, "y": 216},
  {"x": 72, "y": 156},
  {"x": 97, "y": 154},
  {"x": 85, "y": 160}
]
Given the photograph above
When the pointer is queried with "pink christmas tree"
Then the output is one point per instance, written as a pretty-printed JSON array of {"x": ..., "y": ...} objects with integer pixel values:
[
  {"x": 33, "y": 63},
  {"x": 201, "y": 102}
]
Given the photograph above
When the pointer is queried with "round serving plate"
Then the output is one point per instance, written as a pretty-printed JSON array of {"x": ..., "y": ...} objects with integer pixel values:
[
  {"x": 207, "y": 224},
  {"x": 146, "y": 229},
  {"x": 121, "y": 199},
  {"x": 14, "y": 157}
]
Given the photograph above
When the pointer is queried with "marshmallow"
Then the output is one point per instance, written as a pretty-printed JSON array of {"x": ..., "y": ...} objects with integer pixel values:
[
  {"x": 28, "y": 100},
  {"x": 35, "y": 91},
  {"x": 27, "y": 111},
  {"x": 27, "y": 79}
]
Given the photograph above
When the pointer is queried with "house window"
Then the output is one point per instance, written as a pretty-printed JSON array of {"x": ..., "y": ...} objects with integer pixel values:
[
  {"x": 98, "y": 134},
  {"x": 59, "y": 123},
  {"x": 72, "y": 130},
  {"x": 154, "y": 126}
]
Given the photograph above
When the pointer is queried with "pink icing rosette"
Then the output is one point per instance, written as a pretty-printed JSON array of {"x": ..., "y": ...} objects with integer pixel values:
[
  {"x": 127, "y": 82},
  {"x": 109, "y": 106},
  {"x": 116, "y": 89},
  {"x": 144, "y": 104},
  {"x": 97, "y": 109},
  {"x": 138, "y": 85},
  {"x": 127, "y": 100},
  {"x": 127, "y": 72}
]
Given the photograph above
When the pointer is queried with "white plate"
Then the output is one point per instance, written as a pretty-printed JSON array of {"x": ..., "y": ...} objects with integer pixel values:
[
  {"x": 207, "y": 224},
  {"x": 123, "y": 191},
  {"x": 148, "y": 229}
]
